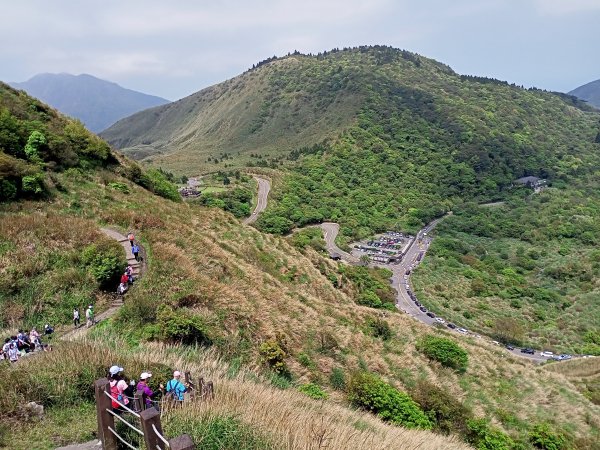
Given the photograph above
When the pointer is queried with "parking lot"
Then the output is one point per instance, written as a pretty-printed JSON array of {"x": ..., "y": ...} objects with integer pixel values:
[{"x": 386, "y": 248}]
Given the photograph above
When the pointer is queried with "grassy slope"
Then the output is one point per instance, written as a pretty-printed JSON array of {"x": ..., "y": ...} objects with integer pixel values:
[
  {"x": 526, "y": 272},
  {"x": 251, "y": 112},
  {"x": 244, "y": 286}
]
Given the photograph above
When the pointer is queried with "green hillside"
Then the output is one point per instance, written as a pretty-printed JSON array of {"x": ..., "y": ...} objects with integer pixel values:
[{"x": 272, "y": 321}]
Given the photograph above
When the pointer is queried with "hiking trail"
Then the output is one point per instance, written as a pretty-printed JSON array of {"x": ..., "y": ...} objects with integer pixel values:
[{"x": 138, "y": 270}]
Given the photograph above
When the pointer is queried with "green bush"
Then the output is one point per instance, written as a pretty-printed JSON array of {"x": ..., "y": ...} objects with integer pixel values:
[
  {"x": 313, "y": 391},
  {"x": 122, "y": 187},
  {"x": 368, "y": 391},
  {"x": 446, "y": 412},
  {"x": 272, "y": 354},
  {"x": 106, "y": 262},
  {"x": 485, "y": 437},
  {"x": 181, "y": 326},
  {"x": 337, "y": 378},
  {"x": 380, "y": 328},
  {"x": 33, "y": 184},
  {"x": 542, "y": 436},
  {"x": 160, "y": 185},
  {"x": 445, "y": 351}
]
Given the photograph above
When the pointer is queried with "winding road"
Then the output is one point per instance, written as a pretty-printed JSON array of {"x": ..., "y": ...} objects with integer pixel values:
[
  {"x": 401, "y": 272},
  {"x": 264, "y": 186}
]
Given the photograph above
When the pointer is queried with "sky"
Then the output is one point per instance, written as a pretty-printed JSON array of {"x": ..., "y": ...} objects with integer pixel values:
[{"x": 173, "y": 49}]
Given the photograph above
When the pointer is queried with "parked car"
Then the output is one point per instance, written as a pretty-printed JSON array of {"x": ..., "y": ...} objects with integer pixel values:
[
  {"x": 547, "y": 354},
  {"x": 562, "y": 357},
  {"x": 528, "y": 350},
  {"x": 462, "y": 330},
  {"x": 422, "y": 308},
  {"x": 430, "y": 314},
  {"x": 510, "y": 347},
  {"x": 440, "y": 320},
  {"x": 451, "y": 325}
]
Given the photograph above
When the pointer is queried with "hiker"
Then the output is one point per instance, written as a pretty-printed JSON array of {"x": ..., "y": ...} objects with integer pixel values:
[
  {"x": 122, "y": 289},
  {"x": 48, "y": 330},
  {"x": 89, "y": 316},
  {"x": 135, "y": 250},
  {"x": 13, "y": 353},
  {"x": 148, "y": 394},
  {"x": 175, "y": 388},
  {"x": 131, "y": 237},
  {"x": 125, "y": 278},
  {"x": 76, "y": 320},
  {"x": 129, "y": 272},
  {"x": 120, "y": 396}
]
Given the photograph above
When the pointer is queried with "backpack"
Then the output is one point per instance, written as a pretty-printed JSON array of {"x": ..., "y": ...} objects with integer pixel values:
[{"x": 172, "y": 393}]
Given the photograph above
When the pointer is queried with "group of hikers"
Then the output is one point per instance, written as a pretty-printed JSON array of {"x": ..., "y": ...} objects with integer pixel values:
[
  {"x": 89, "y": 317},
  {"x": 23, "y": 343},
  {"x": 122, "y": 392},
  {"x": 127, "y": 277}
]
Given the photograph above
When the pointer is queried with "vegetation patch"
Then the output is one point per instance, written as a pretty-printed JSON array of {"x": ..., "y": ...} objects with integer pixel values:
[{"x": 445, "y": 351}]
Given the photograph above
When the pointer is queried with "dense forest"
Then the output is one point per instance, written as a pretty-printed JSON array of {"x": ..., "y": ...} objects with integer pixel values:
[{"x": 424, "y": 140}]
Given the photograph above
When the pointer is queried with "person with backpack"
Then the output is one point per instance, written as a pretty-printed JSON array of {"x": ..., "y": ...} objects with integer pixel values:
[
  {"x": 135, "y": 250},
  {"x": 131, "y": 237},
  {"x": 76, "y": 320},
  {"x": 89, "y": 316},
  {"x": 129, "y": 272},
  {"x": 175, "y": 388},
  {"x": 125, "y": 278},
  {"x": 48, "y": 330}
]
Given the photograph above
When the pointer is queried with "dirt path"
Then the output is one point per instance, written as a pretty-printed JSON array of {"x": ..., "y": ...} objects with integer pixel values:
[
  {"x": 138, "y": 271},
  {"x": 264, "y": 186}
]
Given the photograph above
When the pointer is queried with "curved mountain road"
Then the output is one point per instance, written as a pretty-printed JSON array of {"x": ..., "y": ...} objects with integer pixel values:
[
  {"x": 400, "y": 272},
  {"x": 264, "y": 186}
]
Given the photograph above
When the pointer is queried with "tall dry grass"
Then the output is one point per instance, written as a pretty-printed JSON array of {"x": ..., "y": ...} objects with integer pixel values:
[{"x": 581, "y": 367}]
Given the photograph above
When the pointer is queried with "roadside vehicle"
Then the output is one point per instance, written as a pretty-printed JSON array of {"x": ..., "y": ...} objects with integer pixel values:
[
  {"x": 510, "y": 347},
  {"x": 451, "y": 325},
  {"x": 528, "y": 350},
  {"x": 462, "y": 330},
  {"x": 440, "y": 320},
  {"x": 430, "y": 314},
  {"x": 422, "y": 308},
  {"x": 547, "y": 354}
]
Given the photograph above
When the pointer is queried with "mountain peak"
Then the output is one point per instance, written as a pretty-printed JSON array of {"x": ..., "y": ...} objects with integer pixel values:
[{"x": 96, "y": 102}]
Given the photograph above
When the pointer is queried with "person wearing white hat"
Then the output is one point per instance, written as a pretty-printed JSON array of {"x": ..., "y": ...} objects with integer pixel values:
[
  {"x": 175, "y": 387},
  {"x": 142, "y": 385}
]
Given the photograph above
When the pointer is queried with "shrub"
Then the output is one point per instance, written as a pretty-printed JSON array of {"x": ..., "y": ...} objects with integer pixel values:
[
  {"x": 122, "y": 187},
  {"x": 105, "y": 261},
  {"x": 380, "y": 328},
  {"x": 313, "y": 391},
  {"x": 368, "y": 391},
  {"x": 485, "y": 437},
  {"x": 182, "y": 326},
  {"x": 160, "y": 185},
  {"x": 445, "y": 351},
  {"x": 446, "y": 412},
  {"x": 338, "y": 378},
  {"x": 272, "y": 354},
  {"x": 33, "y": 184},
  {"x": 542, "y": 436}
]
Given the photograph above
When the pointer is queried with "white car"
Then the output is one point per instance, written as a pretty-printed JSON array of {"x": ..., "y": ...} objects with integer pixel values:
[
  {"x": 440, "y": 320},
  {"x": 547, "y": 354},
  {"x": 462, "y": 330}
]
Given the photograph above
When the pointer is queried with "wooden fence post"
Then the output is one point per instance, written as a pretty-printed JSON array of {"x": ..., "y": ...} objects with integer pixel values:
[
  {"x": 138, "y": 401},
  {"x": 183, "y": 442},
  {"x": 105, "y": 420},
  {"x": 150, "y": 417}
]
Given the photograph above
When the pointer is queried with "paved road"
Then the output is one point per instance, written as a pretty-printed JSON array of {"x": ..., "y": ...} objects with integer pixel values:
[
  {"x": 330, "y": 232},
  {"x": 401, "y": 280},
  {"x": 264, "y": 186}
]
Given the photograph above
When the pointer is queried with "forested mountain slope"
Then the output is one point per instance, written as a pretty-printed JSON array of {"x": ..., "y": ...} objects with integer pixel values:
[
  {"x": 589, "y": 92},
  {"x": 275, "y": 306},
  {"x": 97, "y": 103}
]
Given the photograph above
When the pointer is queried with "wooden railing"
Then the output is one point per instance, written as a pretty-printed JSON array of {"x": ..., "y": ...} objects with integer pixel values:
[{"x": 148, "y": 420}]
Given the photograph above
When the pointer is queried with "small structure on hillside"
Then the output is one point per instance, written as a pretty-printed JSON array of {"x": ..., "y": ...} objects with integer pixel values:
[
  {"x": 335, "y": 256},
  {"x": 532, "y": 182},
  {"x": 187, "y": 192}
]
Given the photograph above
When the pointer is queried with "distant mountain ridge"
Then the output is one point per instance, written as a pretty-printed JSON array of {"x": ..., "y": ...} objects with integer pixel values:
[
  {"x": 589, "y": 92},
  {"x": 97, "y": 103}
]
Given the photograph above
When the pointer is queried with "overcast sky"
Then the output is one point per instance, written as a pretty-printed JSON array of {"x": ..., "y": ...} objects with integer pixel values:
[{"x": 175, "y": 48}]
